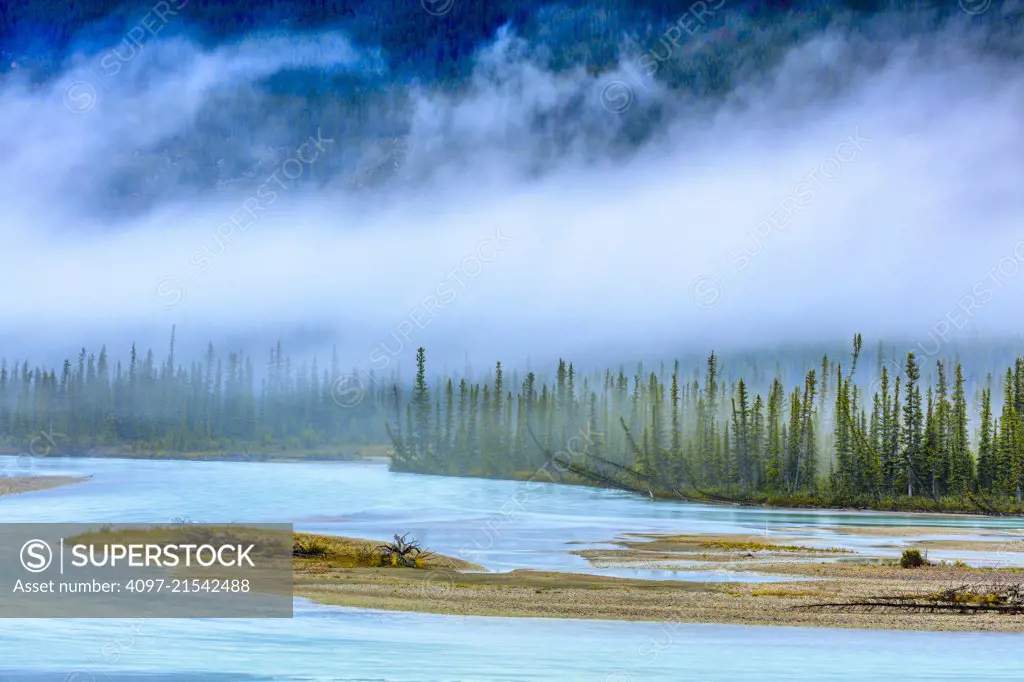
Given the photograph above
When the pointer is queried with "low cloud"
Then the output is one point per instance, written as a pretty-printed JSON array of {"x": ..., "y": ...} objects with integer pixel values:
[{"x": 838, "y": 192}]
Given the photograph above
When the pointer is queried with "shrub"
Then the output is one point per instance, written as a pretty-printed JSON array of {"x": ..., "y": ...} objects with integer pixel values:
[
  {"x": 912, "y": 559},
  {"x": 310, "y": 547}
]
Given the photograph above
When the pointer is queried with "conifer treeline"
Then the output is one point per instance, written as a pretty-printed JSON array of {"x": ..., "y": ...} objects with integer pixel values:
[
  {"x": 834, "y": 435},
  {"x": 822, "y": 440},
  {"x": 215, "y": 404}
]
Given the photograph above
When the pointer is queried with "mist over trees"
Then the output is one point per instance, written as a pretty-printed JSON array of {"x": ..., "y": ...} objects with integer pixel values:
[
  {"x": 198, "y": 124},
  {"x": 825, "y": 439},
  {"x": 913, "y": 429},
  {"x": 214, "y": 404},
  {"x": 700, "y": 56}
]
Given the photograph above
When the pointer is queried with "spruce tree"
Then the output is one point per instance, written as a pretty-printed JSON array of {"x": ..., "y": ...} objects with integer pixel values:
[
  {"x": 985, "y": 440},
  {"x": 913, "y": 427},
  {"x": 421, "y": 407},
  {"x": 776, "y": 449},
  {"x": 939, "y": 459},
  {"x": 1008, "y": 421},
  {"x": 961, "y": 468},
  {"x": 740, "y": 436}
]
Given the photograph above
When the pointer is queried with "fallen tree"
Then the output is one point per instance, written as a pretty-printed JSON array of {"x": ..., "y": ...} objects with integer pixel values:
[
  {"x": 1007, "y": 598},
  {"x": 401, "y": 552}
]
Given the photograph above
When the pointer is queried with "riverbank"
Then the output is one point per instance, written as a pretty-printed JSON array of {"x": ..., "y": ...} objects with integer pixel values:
[
  {"x": 340, "y": 454},
  {"x": 970, "y": 505},
  {"x": 382, "y": 453},
  {"x": 447, "y": 586},
  {"x": 12, "y": 485}
]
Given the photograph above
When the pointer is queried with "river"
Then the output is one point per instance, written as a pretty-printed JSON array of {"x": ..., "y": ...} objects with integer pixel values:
[{"x": 500, "y": 524}]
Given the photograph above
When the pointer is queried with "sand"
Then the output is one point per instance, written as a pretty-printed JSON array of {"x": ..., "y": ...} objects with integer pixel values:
[
  {"x": 23, "y": 484},
  {"x": 522, "y": 593}
]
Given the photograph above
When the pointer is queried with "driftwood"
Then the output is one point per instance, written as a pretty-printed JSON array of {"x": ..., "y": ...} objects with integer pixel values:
[
  {"x": 1006, "y": 598},
  {"x": 868, "y": 606},
  {"x": 402, "y": 552}
]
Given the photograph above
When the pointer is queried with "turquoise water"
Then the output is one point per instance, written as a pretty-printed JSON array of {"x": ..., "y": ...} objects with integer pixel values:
[{"x": 501, "y": 524}]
